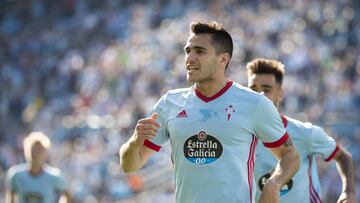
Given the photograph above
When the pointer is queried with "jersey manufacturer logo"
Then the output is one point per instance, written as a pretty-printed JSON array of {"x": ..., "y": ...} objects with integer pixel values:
[
  {"x": 229, "y": 110},
  {"x": 284, "y": 190},
  {"x": 202, "y": 148},
  {"x": 181, "y": 114}
]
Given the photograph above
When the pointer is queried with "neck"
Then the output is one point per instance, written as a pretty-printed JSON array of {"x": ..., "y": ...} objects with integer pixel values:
[
  {"x": 210, "y": 88},
  {"x": 35, "y": 170}
]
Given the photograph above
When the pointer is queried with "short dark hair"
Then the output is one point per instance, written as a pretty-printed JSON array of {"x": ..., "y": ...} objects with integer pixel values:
[
  {"x": 266, "y": 66},
  {"x": 222, "y": 40}
]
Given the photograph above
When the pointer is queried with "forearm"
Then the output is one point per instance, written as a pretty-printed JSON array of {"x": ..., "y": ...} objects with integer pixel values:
[
  {"x": 133, "y": 155},
  {"x": 346, "y": 171},
  {"x": 286, "y": 168},
  {"x": 130, "y": 157}
]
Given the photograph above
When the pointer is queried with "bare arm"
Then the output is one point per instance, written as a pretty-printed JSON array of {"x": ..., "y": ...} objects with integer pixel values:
[
  {"x": 288, "y": 164},
  {"x": 10, "y": 196},
  {"x": 345, "y": 168},
  {"x": 65, "y": 197},
  {"x": 133, "y": 154}
]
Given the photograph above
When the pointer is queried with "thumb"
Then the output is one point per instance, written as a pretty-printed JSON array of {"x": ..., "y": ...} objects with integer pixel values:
[{"x": 154, "y": 116}]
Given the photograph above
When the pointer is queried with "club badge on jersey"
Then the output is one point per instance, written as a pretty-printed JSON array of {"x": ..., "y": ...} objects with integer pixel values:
[{"x": 229, "y": 110}]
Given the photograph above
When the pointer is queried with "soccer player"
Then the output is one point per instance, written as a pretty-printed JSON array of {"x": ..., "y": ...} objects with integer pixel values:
[
  {"x": 213, "y": 128},
  {"x": 266, "y": 76},
  {"x": 34, "y": 181}
]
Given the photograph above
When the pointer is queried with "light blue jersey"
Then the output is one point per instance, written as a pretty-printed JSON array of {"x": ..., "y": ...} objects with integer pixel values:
[
  {"x": 310, "y": 141},
  {"x": 213, "y": 141},
  {"x": 43, "y": 188}
]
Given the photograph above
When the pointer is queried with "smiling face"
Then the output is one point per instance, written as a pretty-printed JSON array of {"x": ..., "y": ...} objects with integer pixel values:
[
  {"x": 266, "y": 83},
  {"x": 202, "y": 62}
]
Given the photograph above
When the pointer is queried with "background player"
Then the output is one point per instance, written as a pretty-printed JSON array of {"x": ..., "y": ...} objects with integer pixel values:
[
  {"x": 266, "y": 76},
  {"x": 35, "y": 181}
]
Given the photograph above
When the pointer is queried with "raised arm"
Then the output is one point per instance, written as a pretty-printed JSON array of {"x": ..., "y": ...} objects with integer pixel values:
[
  {"x": 345, "y": 168},
  {"x": 133, "y": 154},
  {"x": 288, "y": 164}
]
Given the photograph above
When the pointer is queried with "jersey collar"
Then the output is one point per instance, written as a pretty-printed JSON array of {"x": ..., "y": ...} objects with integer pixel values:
[{"x": 218, "y": 94}]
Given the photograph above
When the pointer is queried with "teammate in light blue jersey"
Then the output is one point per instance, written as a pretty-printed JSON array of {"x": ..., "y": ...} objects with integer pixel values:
[
  {"x": 266, "y": 76},
  {"x": 213, "y": 128},
  {"x": 34, "y": 181}
]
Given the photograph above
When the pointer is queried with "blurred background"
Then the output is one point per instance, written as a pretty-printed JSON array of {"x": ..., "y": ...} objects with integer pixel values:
[{"x": 84, "y": 72}]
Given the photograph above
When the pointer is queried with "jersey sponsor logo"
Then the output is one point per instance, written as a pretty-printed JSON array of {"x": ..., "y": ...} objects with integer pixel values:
[
  {"x": 284, "y": 190},
  {"x": 32, "y": 197},
  {"x": 229, "y": 110},
  {"x": 202, "y": 148}
]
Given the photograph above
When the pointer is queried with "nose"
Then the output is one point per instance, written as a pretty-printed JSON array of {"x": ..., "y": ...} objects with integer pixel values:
[{"x": 190, "y": 58}]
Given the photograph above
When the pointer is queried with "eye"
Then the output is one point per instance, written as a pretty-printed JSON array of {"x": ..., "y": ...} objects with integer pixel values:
[{"x": 187, "y": 51}]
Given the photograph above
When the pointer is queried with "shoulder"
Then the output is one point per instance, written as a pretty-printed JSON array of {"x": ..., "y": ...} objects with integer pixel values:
[
  {"x": 52, "y": 171},
  {"x": 305, "y": 126},
  {"x": 17, "y": 169},
  {"x": 177, "y": 94},
  {"x": 296, "y": 127},
  {"x": 256, "y": 103},
  {"x": 299, "y": 124},
  {"x": 242, "y": 91}
]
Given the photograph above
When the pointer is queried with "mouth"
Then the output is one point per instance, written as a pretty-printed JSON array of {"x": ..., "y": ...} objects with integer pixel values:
[{"x": 191, "y": 68}]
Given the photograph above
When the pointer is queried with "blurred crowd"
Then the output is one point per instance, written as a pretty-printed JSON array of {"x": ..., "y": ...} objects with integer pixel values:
[{"x": 84, "y": 72}]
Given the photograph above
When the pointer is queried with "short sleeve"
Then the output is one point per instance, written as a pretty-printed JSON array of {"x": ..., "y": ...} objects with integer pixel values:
[
  {"x": 60, "y": 183},
  {"x": 10, "y": 180},
  {"x": 163, "y": 135},
  {"x": 321, "y": 143},
  {"x": 269, "y": 127}
]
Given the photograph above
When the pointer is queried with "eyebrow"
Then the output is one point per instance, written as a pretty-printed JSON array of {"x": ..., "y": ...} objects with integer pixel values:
[
  {"x": 266, "y": 86},
  {"x": 263, "y": 86},
  {"x": 195, "y": 47}
]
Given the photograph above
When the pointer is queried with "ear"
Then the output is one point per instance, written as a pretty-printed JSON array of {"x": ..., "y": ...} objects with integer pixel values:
[{"x": 224, "y": 58}]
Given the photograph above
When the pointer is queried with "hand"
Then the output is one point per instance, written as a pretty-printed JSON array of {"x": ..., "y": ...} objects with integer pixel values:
[
  {"x": 270, "y": 193},
  {"x": 146, "y": 128},
  {"x": 347, "y": 197}
]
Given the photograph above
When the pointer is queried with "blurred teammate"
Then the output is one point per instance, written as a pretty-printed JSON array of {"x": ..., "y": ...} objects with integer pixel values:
[
  {"x": 266, "y": 76},
  {"x": 34, "y": 181},
  {"x": 213, "y": 128}
]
